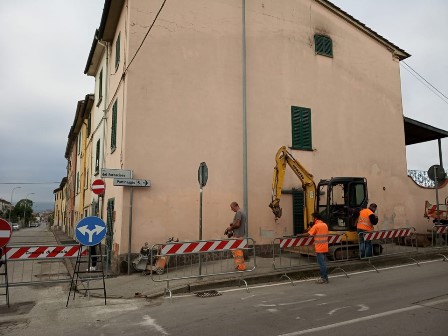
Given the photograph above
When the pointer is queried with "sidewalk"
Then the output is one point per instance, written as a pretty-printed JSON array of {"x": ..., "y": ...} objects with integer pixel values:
[{"x": 140, "y": 285}]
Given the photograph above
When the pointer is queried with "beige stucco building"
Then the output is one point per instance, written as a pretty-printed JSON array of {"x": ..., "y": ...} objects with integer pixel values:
[{"x": 213, "y": 81}]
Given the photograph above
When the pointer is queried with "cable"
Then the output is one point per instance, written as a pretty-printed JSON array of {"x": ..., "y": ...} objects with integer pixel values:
[
  {"x": 147, "y": 33},
  {"x": 133, "y": 57},
  {"x": 422, "y": 80}
]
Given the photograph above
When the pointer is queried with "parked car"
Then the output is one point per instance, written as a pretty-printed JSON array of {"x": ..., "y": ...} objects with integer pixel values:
[
  {"x": 34, "y": 224},
  {"x": 15, "y": 227}
]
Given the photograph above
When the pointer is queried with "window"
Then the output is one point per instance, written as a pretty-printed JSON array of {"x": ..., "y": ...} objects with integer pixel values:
[
  {"x": 100, "y": 87},
  {"x": 77, "y": 183},
  {"x": 301, "y": 128},
  {"x": 79, "y": 142},
  {"x": 117, "y": 51},
  {"x": 89, "y": 125},
  {"x": 97, "y": 157},
  {"x": 113, "y": 135},
  {"x": 323, "y": 45}
]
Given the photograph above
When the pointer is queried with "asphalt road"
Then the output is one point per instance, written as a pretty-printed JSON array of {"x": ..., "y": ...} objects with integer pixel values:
[{"x": 407, "y": 300}]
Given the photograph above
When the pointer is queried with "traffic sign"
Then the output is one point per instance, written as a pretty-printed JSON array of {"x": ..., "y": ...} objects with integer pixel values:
[
  {"x": 90, "y": 231},
  {"x": 98, "y": 187},
  {"x": 131, "y": 183},
  {"x": 115, "y": 173},
  {"x": 5, "y": 232}
]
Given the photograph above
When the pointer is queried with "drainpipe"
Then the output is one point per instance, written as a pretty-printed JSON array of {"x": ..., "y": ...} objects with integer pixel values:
[{"x": 245, "y": 198}]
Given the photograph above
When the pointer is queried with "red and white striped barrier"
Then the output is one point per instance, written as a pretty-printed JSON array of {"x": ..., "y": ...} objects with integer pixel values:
[
  {"x": 306, "y": 241},
  {"x": 203, "y": 246},
  {"x": 44, "y": 252},
  {"x": 441, "y": 229},
  {"x": 386, "y": 234}
]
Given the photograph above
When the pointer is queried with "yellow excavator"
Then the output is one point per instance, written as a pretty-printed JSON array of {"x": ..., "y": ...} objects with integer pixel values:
[{"x": 338, "y": 200}]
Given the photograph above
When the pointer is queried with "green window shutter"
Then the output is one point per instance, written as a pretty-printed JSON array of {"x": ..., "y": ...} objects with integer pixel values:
[
  {"x": 97, "y": 157},
  {"x": 117, "y": 51},
  {"x": 113, "y": 136},
  {"x": 301, "y": 128},
  {"x": 100, "y": 86},
  {"x": 297, "y": 211},
  {"x": 323, "y": 45}
]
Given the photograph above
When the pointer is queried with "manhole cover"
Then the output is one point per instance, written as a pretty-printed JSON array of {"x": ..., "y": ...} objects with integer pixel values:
[{"x": 209, "y": 293}]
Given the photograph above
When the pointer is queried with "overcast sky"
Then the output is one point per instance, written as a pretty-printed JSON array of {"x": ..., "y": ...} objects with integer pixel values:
[{"x": 44, "y": 50}]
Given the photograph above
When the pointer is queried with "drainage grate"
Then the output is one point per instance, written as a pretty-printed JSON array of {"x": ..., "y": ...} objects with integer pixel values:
[{"x": 209, "y": 293}]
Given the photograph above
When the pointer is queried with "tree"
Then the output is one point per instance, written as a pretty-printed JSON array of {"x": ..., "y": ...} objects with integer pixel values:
[{"x": 23, "y": 210}]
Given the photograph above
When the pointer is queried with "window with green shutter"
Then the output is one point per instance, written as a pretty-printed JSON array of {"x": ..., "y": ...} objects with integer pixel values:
[
  {"x": 97, "y": 157},
  {"x": 117, "y": 51},
  {"x": 301, "y": 128},
  {"x": 323, "y": 45},
  {"x": 113, "y": 133},
  {"x": 100, "y": 87}
]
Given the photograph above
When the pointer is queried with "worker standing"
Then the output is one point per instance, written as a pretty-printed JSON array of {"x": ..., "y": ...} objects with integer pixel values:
[
  {"x": 366, "y": 220},
  {"x": 238, "y": 226},
  {"x": 320, "y": 232}
]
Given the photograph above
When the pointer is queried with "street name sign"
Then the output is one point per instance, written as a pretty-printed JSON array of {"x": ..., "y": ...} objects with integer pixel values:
[
  {"x": 90, "y": 231},
  {"x": 5, "y": 232},
  {"x": 116, "y": 173},
  {"x": 131, "y": 183}
]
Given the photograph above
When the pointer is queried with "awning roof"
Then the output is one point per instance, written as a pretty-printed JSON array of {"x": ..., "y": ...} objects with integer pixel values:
[{"x": 416, "y": 132}]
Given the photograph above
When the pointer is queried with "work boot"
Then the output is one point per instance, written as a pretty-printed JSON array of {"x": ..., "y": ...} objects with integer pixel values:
[{"x": 322, "y": 281}]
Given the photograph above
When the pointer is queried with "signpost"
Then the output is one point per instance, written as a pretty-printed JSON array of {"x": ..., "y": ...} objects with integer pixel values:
[
  {"x": 5, "y": 232},
  {"x": 115, "y": 173},
  {"x": 131, "y": 183},
  {"x": 98, "y": 187},
  {"x": 202, "y": 179}
]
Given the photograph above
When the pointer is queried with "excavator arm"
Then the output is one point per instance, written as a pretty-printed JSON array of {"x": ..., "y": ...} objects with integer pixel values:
[{"x": 283, "y": 158}]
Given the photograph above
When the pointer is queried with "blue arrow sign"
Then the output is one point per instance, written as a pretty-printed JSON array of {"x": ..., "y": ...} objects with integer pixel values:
[{"x": 90, "y": 231}]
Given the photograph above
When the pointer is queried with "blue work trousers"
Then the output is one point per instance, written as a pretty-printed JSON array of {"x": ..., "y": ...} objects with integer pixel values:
[{"x": 322, "y": 265}]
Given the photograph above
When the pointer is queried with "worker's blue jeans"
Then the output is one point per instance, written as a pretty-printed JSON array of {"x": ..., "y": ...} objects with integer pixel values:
[
  {"x": 365, "y": 247},
  {"x": 322, "y": 265}
]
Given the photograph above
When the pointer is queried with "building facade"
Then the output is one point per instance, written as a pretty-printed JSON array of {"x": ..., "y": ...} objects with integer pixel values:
[{"x": 213, "y": 81}]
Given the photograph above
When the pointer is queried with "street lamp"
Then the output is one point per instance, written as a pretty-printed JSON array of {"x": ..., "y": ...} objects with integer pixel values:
[
  {"x": 26, "y": 204},
  {"x": 10, "y": 205}
]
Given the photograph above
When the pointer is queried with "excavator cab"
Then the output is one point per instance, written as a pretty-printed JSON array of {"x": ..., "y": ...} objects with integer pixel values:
[{"x": 339, "y": 201}]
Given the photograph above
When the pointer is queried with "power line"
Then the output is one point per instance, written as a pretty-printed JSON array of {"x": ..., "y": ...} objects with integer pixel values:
[
  {"x": 30, "y": 182},
  {"x": 422, "y": 80}
]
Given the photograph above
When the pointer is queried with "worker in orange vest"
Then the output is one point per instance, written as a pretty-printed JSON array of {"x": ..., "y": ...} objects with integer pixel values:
[
  {"x": 320, "y": 232},
  {"x": 366, "y": 220}
]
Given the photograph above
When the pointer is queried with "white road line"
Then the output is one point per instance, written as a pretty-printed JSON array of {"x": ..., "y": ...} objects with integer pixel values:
[{"x": 365, "y": 318}]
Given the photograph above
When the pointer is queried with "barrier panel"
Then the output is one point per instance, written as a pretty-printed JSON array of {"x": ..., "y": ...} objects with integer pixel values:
[
  {"x": 439, "y": 238},
  {"x": 28, "y": 265},
  {"x": 197, "y": 259},
  {"x": 295, "y": 253},
  {"x": 387, "y": 243}
]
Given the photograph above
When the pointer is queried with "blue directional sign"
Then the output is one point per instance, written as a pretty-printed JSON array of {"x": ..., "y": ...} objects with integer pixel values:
[{"x": 90, "y": 231}]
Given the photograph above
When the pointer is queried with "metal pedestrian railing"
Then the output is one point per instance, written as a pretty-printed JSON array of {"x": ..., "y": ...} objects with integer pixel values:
[
  {"x": 387, "y": 243},
  {"x": 197, "y": 259},
  {"x": 296, "y": 253}
]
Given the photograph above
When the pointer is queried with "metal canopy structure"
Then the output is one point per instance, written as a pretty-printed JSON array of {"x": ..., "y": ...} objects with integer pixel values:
[{"x": 417, "y": 132}]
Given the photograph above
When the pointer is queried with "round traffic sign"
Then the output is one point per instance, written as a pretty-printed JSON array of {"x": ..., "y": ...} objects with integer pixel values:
[
  {"x": 98, "y": 187},
  {"x": 5, "y": 232}
]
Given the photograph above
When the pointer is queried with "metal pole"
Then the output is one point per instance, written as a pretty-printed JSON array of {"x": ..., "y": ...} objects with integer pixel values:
[
  {"x": 200, "y": 227},
  {"x": 440, "y": 152},
  {"x": 436, "y": 182},
  {"x": 130, "y": 230},
  {"x": 10, "y": 204},
  {"x": 245, "y": 196}
]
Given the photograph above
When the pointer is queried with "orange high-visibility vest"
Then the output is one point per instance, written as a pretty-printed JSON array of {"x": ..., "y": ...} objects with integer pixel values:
[
  {"x": 364, "y": 221},
  {"x": 320, "y": 243}
]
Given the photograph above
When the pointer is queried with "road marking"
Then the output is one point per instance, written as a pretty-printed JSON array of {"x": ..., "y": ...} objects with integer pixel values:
[
  {"x": 365, "y": 318},
  {"x": 148, "y": 321}
]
